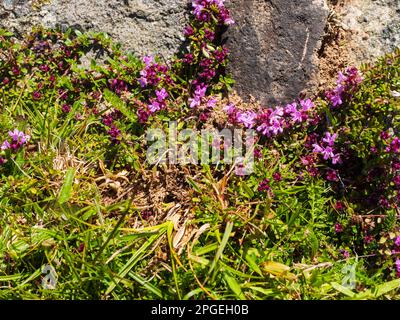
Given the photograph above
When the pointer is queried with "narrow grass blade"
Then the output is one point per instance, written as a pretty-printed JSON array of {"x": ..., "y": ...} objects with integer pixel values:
[
  {"x": 66, "y": 189},
  {"x": 224, "y": 241}
]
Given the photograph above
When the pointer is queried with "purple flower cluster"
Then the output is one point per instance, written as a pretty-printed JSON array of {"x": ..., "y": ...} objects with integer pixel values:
[
  {"x": 310, "y": 165},
  {"x": 205, "y": 52},
  {"x": 209, "y": 104},
  {"x": 346, "y": 83},
  {"x": 199, "y": 94},
  {"x": 345, "y": 253},
  {"x": 338, "y": 228},
  {"x": 202, "y": 10},
  {"x": 156, "y": 103},
  {"x": 332, "y": 175},
  {"x": 118, "y": 86},
  {"x": 143, "y": 114},
  {"x": 264, "y": 186},
  {"x": 394, "y": 145},
  {"x": 159, "y": 102},
  {"x": 271, "y": 122},
  {"x": 113, "y": 132},
  {"x": 277, "y": 177},
  {"x": 66, "y": 108},
  {"x": 397, "y": 264},
  {"x": 18, "y": 140},
  {"x": 326, "y": 148},
  {"x": 339, "y": 205},
  {"x": 153, "y": 73}
]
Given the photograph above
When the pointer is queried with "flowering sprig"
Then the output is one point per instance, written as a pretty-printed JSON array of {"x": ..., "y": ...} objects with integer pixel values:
[
  {"x": 109, "y": 121},
  {"x": 203, "y": 10},
  {"x": 347, "y": 82},
  {"x": 153, "y": 73},
  {"x": 393, "y": 145},
  {"x": 206, "y": 58},
  {"x": 159, "y": 102},
  {"x": 199, "y": 94},
  {"x": 18, "y": 140},
  {"x": 326, "y": 148},
  {"x": 271, "y": 122}
]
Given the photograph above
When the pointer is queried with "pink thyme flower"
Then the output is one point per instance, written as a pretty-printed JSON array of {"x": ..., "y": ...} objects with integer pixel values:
[
  {"x": 368, "y": 239},
  {"x": 297, "y": 116},
  {"x": 247, "y": 118},
  {"x": 148, "y": 60},
  {"x": 397, "y": 241},
  {"x": 264, "y": 186},
  {"x": 276, "y": 127},
  {"x": 199, "y": 93},
  {"x": 161, "y": 95},
  {"x": 277, "y": 176},
  {"x": 336, "y": 159},
  {"x": 341, "y": 78},
  {"x": 198, "y": 8},
  {"x": 332, "y": 175},
  {"x": 229, "y": 21},
  {"x": 330, "y": 139},
  {"x": 257, "y": 153},
  {"x": 338, "y": 228},
  {"x": 328, "y": 153},
  {"x": 385, "y": 135},
  {"x": 66, "y": 108},
  {"x": 345, "y": 253},
  {"x": 18, "y": 136},
  {"x": 291, "y": 108},
  {"x": 395, "y": 145},
  {"x": 188, "y": 31},
  {"x": 339, "y": 205},
  {"x": 307, "y": 105},
  {"x": 154, "y": 106},
  {"x": 317, "y": 148},
  {"x": 397, "y": 264},
  {"x": 5, "y": 146}
]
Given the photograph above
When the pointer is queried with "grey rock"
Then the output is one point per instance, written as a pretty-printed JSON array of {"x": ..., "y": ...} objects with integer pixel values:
[
  {"x": 377, "y": 33},
  {"x": 274, "y": 46},
  {"x": 142, "y": 26}
]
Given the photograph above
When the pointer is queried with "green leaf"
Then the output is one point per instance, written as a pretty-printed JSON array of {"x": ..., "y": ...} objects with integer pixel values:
[
  {"x": 379, "y": 290},
  {"x": 278, "y": 270},
  {"x": 341, "y": 289},
  {"x": 248, "y": 190},
  {"x": 227, "y": 233},
  {"x": 387, "y": 287},
  {"x": 266, "y": 292},
  {"x": 234, "y": 286},
  {"x": 193, "y": 184},
  {"x": 314, "y": 243},
  {"x": 66, "y": 189},
  {"x": 252, "y": 263}
]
